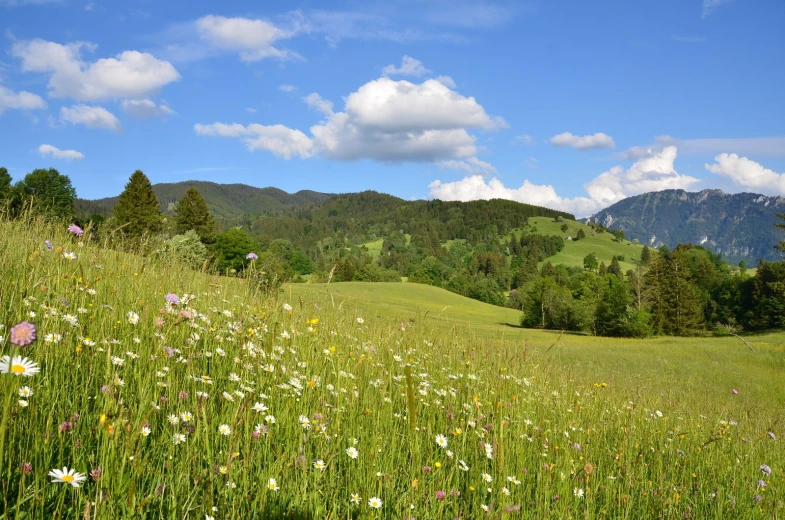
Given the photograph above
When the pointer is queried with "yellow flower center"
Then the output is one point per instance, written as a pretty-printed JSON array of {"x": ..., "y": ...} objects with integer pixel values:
[
  {"x": 67, "y": 478},
  {"x": 17, "y": 369}
]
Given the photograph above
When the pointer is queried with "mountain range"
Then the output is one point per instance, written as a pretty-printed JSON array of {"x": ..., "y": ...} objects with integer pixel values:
[{"x": 739, "y": 226}]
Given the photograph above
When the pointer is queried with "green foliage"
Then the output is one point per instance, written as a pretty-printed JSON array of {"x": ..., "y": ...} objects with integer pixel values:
[
  {"x": 192, "y": 212},
  {"x": 187, "y": 248},
  {"x": 137, "y": 211},
  {"x": 581, "y": 235},
  {"x": 590, "y": 262},
  {"x": 231, "y": 249},
  {"x": 48, "y": 191},
  {"x": 5, "y": 187}
]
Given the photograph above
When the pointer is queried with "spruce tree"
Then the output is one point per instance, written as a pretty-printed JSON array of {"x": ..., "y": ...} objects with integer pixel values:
[
  {"x": 645, "y": 255},
  {"x": 615, "y": 268},
  {"x": 603, "y": 270},
  {"x": 683, "y": 306},
  {"x": 137, "y": 211},
  {"x": 192, "y": 213}
]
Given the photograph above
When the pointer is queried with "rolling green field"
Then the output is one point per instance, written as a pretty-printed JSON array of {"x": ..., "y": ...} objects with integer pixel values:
[{"x": 174, "y": 394}]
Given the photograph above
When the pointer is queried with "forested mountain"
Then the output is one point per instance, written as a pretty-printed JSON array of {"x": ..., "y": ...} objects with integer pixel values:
[
  {"x": 224, "y": 200},
  {"x": 737, "y": 226}
]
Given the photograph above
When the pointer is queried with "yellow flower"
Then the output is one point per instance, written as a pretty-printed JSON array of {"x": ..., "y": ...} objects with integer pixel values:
[
  {"x": 438, "y": 464},
  {"x": 415, "y": 482}
]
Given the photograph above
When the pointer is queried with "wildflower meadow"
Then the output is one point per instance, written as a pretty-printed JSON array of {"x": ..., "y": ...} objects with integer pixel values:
[{"x": 133, "y": 386}]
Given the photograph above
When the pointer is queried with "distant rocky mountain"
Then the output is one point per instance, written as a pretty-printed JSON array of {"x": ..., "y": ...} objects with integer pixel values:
[
  {"x": 225, "y": 200},
  {"x": 739, "y": 226}
]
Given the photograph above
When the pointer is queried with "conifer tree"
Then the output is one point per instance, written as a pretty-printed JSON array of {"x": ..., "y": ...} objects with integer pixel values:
[
  {"x": 645, "y": 255},
  {"x": 137, "y": 211},
  {"x": 615, "y": 268},
  {"x": 683, "y": 306},
  {"x": 603, "y": 270},
  {"x": 192, "y": 213}
]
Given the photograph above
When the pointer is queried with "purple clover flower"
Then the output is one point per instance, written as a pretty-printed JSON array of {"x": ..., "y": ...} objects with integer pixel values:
[
  {"x": 23, "y": 334},
  {"x": 76, "y": 230},
  {"x": 252, "y": 256},
  {"x": 48, "y": 245},
  {"x": 765, "y": 469},
  {"x": 440, "y": 495},
  {"x": 172, "y": 298}
]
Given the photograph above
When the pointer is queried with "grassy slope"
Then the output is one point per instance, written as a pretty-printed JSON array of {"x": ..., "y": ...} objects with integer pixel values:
[
  {"x": 602, "y": 244},
  {"x": 681, "y": 370}
]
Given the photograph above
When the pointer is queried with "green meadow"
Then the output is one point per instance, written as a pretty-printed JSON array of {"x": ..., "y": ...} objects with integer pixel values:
[{"x": 161, "y": 392}]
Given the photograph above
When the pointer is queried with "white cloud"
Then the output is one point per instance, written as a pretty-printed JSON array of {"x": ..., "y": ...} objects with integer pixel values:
[
  {"x": 91, "y": 117},
  {"x": 250, "y": 110},
  {"x": 318, "y": 103},
  {"x": 252, "y": 38},
  {"x": 586, "y": 142},
  {"x": 47, "y": 150},
  {"x": 447, "y": 81},
  {"x": 21, "y": 100},
  {"x": 395, "y": 121},
  {"x": 710, "y": 5},
  {"x": 748, "y": 173},
  {"x": 145, "y": 108},
  {"x": 287, "y": 88},
  {"x": 653, "y": 173},
  {"x": 276, "y": 139},
  {"x": 525, "y": 139},
  {"x": 131, "y": 74},
  {"x": 471, "y": 166},
  {"x": 409, "y": 67}
]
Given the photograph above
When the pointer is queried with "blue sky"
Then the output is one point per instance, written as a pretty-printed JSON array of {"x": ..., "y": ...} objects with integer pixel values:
[{"x": 568, "y": 104}]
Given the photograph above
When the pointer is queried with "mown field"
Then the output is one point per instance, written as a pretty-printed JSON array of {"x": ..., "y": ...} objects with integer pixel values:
[{"x": 357, "y": 401}]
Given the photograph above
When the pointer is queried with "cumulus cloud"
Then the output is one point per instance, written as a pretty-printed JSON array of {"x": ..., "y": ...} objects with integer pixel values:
[
  {"x": 47, "y": 150},
  {"x": 145, "y": 108},
  {"x": 653, "y": 173},
  {"x": 587, "y": 142},
  {"x": 318, "y": 103},
  {"x": 748, "y": 173},
  {"x": 254, "y": 39},
  {"x": 394, "y": 121},
  {"x": 276, "y": 139},
  {"x": 91, "y": 117},
  {"x": 409, "y": 67},
  {"x": 21, "y": 100},
  {"x": 525, "y": 139},
  {"x": 472, "y": 165},
  {"x": 287, "y": 88},
  {"x": 130, "y": 74}
]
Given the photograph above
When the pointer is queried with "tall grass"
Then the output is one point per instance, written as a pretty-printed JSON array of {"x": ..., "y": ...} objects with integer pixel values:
[{"x": 525, "y": 439}]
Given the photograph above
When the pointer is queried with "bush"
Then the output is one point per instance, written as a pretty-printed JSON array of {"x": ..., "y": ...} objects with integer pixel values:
[{"x": 187, "y": 248}]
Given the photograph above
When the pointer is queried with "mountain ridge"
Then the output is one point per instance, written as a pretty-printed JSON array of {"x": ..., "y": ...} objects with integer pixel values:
[{"x": 739, "y": 226}]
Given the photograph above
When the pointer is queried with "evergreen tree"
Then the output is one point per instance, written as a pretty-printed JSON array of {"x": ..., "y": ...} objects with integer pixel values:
[
  {"x": 602, "y": 271},
  {"x": 192, "y": 213},
  {"x": 50, "y": 192},
  {"x": 615, "y": 268},
  {"x": 137, "y": 211},
  {"x": 611, "y": 313},
  {"x": 581, "y": 235},
  {"x": 683, "y": 306},
  {"x": 645, "y": 255}
]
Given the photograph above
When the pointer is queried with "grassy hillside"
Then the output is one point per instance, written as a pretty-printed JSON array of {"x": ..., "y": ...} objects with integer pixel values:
[
  {"x": 326, "y": 402},
  {"x": 603, "y": 245}
]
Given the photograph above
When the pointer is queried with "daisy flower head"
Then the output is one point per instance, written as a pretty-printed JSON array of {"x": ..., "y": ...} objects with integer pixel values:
[
  {"x": 224, "y": 429},
  {"x": 487, "y": 478},
  {"x": 578, "y": 492},
  {"x": 360, "y": 321},
  {"x": 272, "y": 485},
  {"x": 22, "y": 334},
  {"x": 178, "y": 438},
  {"x": 145, "y": 431},
  {"x": 352, "y": 452},
  {"x": 67, "y": 476},
  {"x": 133, "y": 318},
  {"x": 18, "y": 366},
  {"x": 441, "y": 440},
  {"x": 355, "y": 499},
  {"x": 375, "y": 502},
  {"x": 25, "y": 391},
  {"x": 69, "y": 256},
  {"x": 287, "y": 307},
  {"x": 320, "y": 465}
]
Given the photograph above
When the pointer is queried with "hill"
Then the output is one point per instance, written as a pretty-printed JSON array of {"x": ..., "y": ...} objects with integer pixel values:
[
  {"x": 224, "y": 200},
  {"x": 738, "y": 226}
]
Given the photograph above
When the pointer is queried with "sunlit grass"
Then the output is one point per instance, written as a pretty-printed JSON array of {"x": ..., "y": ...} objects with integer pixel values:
[{"x": 193, "y": 410}]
